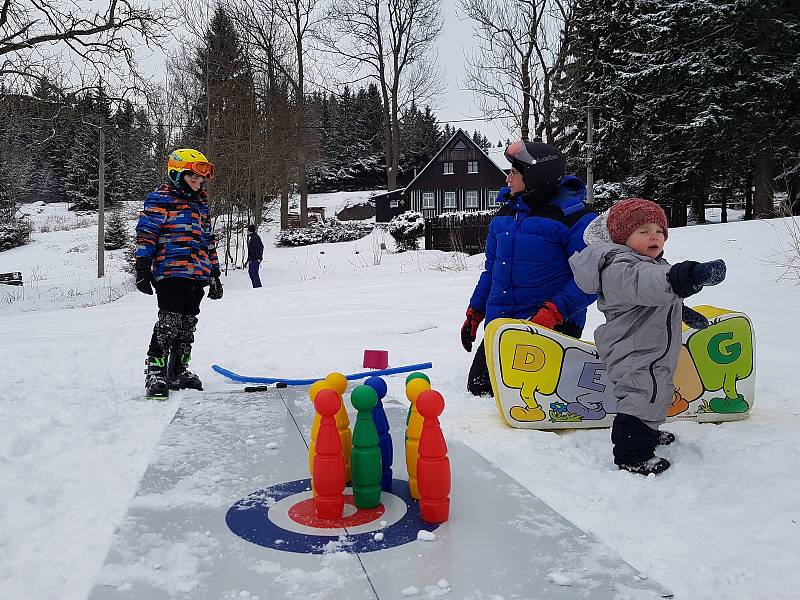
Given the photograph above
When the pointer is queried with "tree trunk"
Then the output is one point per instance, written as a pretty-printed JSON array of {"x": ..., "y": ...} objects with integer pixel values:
[
  {"x": 748, "y": 196},
  {"x": 395, "y": 138},
  {"x": 793, "y": 199},
  {"x": 763, "y": 195},
  {"x": 723, "y": 214},
  {"x": 526, "y": 100},
  {"x": 303, "y": 188},
  {"x": 391, "y": 176},
  {"x": 284, "y": 195}
]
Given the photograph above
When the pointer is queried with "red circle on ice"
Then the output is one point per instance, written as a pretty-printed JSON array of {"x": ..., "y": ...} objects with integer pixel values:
[{"x": 305, "y": 513}]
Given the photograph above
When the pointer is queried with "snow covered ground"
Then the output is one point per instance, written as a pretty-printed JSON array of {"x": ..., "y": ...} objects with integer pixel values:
[{"x": 722, "y": 523}]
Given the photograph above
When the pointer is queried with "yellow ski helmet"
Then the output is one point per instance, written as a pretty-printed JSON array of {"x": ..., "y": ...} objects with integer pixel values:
[{"x": 188, "y": 159}]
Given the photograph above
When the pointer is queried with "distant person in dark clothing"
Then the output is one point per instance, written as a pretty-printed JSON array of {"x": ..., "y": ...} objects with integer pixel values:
[{"x": 255, "y": 254}]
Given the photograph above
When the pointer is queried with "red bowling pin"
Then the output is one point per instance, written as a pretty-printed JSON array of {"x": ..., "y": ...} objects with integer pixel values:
[
  {"x": 433, "y": 466},
  {"x": 328, "y": 468}
]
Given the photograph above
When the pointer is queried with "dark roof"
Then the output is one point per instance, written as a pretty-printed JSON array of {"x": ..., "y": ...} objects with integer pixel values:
[{"x": 460, "y": 144}]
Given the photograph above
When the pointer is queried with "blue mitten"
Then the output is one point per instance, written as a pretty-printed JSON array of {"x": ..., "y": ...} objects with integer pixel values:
[
  {"x": 688, "y": 277},
  {"x": 709, "y": 273},
  {"x": 694, "y": 319}
]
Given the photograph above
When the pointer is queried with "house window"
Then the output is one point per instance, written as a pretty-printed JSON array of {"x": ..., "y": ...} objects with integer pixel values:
[
  {"x": 471, "y": 200},
  {"x": 448, "y": 168},
  {"x": 493, "y": 197},
  {"x": 393, "y": 203},
  {"x": 428, "y": 200},
  {"x": 449, "y": 200},
  {"x": 472, "y": 166}
]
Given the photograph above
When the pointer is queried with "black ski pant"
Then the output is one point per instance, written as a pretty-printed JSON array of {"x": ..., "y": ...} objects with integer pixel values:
[
  {"x": 178, "y": 306},
  {"x": 478, "y": 382},
  {"x": 634, "y": 440}
]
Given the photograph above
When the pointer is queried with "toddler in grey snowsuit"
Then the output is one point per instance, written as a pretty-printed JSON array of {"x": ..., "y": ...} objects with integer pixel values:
[{"x": 641, "y": 296}]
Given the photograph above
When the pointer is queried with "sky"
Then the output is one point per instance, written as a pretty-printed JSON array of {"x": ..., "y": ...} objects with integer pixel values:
[{"x": 457, "y": 102}]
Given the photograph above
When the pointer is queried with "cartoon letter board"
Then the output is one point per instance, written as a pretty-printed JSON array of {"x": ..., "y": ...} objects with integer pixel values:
[{"x": 546, "y": 380}]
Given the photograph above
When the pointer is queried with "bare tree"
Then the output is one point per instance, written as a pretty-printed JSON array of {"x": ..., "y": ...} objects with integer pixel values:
[
  {"x": 391, "y": 42},
  {"x": 299, "y": 19},
  {"x": 522, "y": 49},
  {"x": 36, "y": 34},
  {"x": 272, "y": 55}
]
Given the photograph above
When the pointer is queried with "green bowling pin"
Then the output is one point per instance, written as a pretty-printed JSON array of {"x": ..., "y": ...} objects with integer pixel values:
[{"x": 365, "y": 460}]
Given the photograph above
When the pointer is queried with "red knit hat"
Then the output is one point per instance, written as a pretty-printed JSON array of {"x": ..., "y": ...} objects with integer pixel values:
[{"x": 626, "y": 216}]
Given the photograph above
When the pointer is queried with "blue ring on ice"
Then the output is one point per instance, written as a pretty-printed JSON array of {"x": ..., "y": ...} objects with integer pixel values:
[{"x": 249, "y": 518}]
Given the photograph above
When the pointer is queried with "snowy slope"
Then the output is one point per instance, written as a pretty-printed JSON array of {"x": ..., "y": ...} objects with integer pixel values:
[{"x": 722, "y": 523}]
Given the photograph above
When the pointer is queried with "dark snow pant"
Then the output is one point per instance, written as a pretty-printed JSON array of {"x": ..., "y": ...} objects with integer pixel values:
[
  {"x": 178, "y": 307},
  {"x": 252, "y": 269},
  {"x": 478, "y": 382},
  {"x": 634, "y": 441}
]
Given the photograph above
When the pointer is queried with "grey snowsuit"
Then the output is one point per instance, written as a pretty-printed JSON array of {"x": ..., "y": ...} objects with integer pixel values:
[{"x": 641, "y": 339}]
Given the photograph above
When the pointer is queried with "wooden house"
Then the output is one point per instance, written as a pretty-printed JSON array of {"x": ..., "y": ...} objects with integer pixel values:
[
  {"x": 389, "y": 204},
  {"x": 460, "y": 177}
]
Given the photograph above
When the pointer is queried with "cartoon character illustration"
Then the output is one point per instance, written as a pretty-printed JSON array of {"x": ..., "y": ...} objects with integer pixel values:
[
  {"x": 723, "y": 354},
  {"x": 585, "y": 386},
  {"x": 526, "y": 361},
  {"x": 688, "y": 386},
  {"x": 531, "y": 363}
]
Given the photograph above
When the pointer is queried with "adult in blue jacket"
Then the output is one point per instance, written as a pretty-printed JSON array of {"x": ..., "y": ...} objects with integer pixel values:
[{"x": 527, "y": 273}]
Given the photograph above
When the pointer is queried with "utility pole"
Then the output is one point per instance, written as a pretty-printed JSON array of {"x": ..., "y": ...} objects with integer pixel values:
[{"x": 589, "y": 156}]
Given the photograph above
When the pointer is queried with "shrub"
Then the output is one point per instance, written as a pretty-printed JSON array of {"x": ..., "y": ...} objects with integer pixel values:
[
  {"x": 13, "y": 230},
  {"x": 116, "y": 234},
  {"x": 406, "y": 229},
  {"x": 329, "y": 230}
]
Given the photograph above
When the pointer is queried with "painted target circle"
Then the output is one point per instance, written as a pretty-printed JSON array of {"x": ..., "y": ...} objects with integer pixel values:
[{"x": 282, "y": 517}]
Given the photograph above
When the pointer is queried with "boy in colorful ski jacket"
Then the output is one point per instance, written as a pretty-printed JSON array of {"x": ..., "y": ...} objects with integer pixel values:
[
  {"x": 530, "y": 239},
  {"x": 641, "y": 296},
  {"x": 175, "y": 253}
]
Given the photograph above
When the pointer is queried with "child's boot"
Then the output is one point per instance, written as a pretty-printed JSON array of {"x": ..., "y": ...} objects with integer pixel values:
[
  {"x": 634, "y": 442},
  {"x": 650, "y": 466},
  {"x": 665, "y": 438},
  {"x": 180, "y": 377},
  {"x": 155, "y": 381}
]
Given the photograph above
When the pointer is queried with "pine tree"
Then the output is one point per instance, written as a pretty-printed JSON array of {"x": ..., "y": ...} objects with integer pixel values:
[
  {"x": 481, "y": 140},
  {"x": 227, "y": 108},
  {"x": 116, "y": 234}
]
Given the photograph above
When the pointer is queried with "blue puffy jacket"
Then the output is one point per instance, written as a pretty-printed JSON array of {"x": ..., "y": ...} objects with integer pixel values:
[{"x": 527, "y": 253}]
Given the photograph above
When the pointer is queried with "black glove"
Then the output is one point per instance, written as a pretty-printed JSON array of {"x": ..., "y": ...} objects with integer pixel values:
[
  {"x": 214, "y": 289},
  {"x": 688, "y": 277},
  {"x": 469, "y": 330},
  {"x": 144, "y": 275},
  {"x": 694, "y": 319}
]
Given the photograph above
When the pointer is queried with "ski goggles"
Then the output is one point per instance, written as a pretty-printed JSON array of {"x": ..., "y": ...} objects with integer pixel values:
[{"x": 202, "y": 168}]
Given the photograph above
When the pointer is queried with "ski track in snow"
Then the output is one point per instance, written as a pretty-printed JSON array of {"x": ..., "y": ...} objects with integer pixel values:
[{"x": 721, "y": 523}]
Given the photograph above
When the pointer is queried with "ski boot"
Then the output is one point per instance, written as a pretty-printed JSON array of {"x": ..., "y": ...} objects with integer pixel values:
[
  {"x": 665, "y": 438},
  {"x": 180, "y": 377},
  {"x": 156, "y": 378},
  {"x": 652, "y": 466}
]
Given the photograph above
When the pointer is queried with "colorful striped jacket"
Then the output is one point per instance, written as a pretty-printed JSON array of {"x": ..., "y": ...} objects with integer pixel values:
[{"x": 174, "y": 231}]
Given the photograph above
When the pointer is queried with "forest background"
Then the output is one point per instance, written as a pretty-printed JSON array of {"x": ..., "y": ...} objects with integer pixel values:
[{"x": 691, "y": 102}]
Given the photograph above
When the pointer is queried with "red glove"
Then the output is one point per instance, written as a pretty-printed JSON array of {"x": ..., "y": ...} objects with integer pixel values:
[
  {"x": 469, "y": 329},
  {"x": 548, "y": 316}
]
